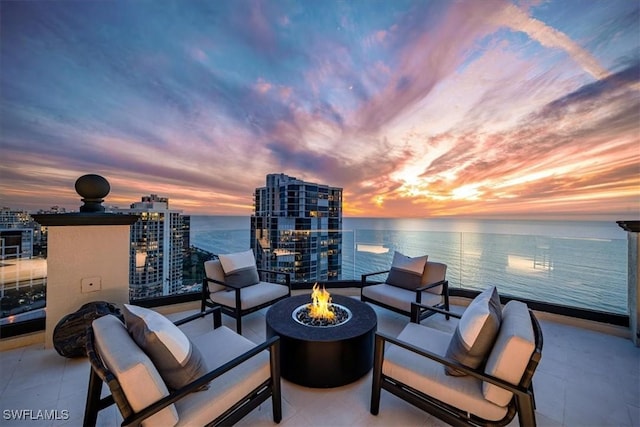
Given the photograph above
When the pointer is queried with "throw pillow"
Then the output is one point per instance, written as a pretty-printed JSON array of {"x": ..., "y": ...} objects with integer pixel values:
[
  {"x": 175, "y": 357},
  {"x": 476, "y": 331},
  {"x": 406, "y": 272},
  {"x": 239, "y": 268}
]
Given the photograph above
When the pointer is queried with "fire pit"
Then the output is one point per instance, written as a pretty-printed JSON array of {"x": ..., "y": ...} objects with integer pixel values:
[
  {"x": 321, "y": 312},
  {"x": 323, "y": 352}
]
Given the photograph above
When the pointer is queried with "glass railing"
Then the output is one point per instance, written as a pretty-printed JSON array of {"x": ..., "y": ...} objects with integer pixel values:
[
  {"x": 22, "y": 289},
  {"x": 589, "y": 273},
  {"x": 582, "y": 266}
]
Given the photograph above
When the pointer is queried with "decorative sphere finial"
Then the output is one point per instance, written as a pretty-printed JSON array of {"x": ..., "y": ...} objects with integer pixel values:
[{"x": 93, "y": 189}]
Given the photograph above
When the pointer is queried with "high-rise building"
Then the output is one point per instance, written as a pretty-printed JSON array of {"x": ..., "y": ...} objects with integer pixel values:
[
  {"x": 297, "y": 228},
  {"x": 157, "y": 241},
  {"x": 18, "y": 231}
]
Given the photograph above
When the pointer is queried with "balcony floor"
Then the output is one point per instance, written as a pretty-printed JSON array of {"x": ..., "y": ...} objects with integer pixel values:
[{"x": 585, "y": 378}]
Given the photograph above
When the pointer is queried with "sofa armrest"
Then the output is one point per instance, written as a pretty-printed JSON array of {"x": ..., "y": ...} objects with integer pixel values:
[
  {"x": 135, "y": 420},
  {"x": 363, "y": 278},
  {"x": 417, "y": 308},
  {"x": 381, "y": 338}
]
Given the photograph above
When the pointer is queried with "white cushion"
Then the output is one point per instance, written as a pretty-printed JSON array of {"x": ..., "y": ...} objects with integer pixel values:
[
  {"x": 138, "y": 377},
  {"x": 428, "y": 376},
  {"x": 213, "y": 270},
  {"x": 476, "y": 331},
  {"x": 406, "y": 272},
  {"x": 399, "y": 298},
  {"x": 171, "y": 351},
  {"x": 511, "y": 352},
  {"x": 220, "y": 346},
  {"x": 251, "y": 296},
  {"x": 434, "y": 272},
  {"x": 239, "y": 268}
]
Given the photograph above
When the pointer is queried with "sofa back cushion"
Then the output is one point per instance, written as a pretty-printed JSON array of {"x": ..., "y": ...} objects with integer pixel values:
[
  {"x": 511, "y": 352},
  {"x": 138, "y": 377},
  {"x": 240, "y": 268},
  {"x": 476, "y": 331},
  {"x": 434, "y": 272},
  {"x": 406, "y": 272},
  {"x": 213, "y": 270},
  {"x": 178, "y": 361}
]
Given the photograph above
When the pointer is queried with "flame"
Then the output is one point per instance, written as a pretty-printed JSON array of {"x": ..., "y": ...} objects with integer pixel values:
[{"x": 320, "y": 307}]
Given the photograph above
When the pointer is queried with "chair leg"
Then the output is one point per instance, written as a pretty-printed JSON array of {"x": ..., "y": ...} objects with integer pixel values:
[
  {"x": 204, "y": 295},
  {"x": 217, "y": 319},
  {"x": 238, "y": 323},
  {"x": 526, "y": 412},
  {"x": 93, "y": 400},
  {"x": 238, "y": 312},
  {"x": 276, "y": 393},
  {"x": 446, "y": 302},
  {"x": 533, "y": 396},
  {"x": 376, "y": 382}
]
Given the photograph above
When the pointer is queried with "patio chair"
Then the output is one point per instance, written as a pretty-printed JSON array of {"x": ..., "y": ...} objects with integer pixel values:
[
  {"x": 234, "y": 283},
  {"x": 423, "y": 367},
  {"x": 409, "y": 280},
  {"x": 222, "y": 378}
]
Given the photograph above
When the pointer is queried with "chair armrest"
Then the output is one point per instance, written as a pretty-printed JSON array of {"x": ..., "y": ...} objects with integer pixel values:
[
  {"x": 443, "y": 283},
  {"x": 218, "y": 282},
  {"x": 416, "y": 308},
  {"x": 363, "y": 278},
  {"x": 518, "y": 390},
  {"x": 197, "y": 316},
  {"x": 230, "y": 285},
  {"x": 137, "y": 418},
  {"x": 287, "y": 276}
]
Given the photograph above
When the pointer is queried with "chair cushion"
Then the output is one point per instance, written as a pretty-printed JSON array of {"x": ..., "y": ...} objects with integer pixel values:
[
  {"x": 220, "y": 346},
  {"x": 406, "y": 272},
  {"x": 178, "y": 361},
  {"x": 476, "y": 331},
  {"x": 138, "y": 377},
  {"x": 213, "y": 270},
  {"x": 427, "y": 375},
  {"x": 434, "y": 272},
  {"x": 511, "y": 352},
  {"x": 399, "y": 298},
  {"x": 251, "y": 296},
  {"x": 239, "y": 268}
]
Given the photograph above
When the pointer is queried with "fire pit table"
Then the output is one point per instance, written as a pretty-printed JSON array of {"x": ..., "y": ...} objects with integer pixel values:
[{"x": 323, "y": 356}]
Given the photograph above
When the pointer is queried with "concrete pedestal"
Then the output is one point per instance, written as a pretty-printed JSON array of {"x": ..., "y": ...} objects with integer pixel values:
[{"x": 87, "y": 260}]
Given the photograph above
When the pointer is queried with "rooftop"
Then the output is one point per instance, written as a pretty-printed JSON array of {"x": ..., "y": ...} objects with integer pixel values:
[{"x": 588, "y": 376}]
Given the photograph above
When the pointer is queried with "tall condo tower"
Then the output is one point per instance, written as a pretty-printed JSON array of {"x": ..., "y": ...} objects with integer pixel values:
[
  {"x": 157, "y": 240},
  {"x": 297, "y": 228}
]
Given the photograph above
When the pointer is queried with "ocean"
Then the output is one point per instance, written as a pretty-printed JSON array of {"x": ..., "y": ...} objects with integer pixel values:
[{"x": 580, "y": 264}]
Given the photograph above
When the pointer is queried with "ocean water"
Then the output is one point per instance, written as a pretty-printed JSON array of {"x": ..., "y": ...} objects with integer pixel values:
[{"x": 575, "y": 263}]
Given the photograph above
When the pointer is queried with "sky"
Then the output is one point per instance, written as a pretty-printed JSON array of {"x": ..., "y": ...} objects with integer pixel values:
[{"x": 415, "y": 108}]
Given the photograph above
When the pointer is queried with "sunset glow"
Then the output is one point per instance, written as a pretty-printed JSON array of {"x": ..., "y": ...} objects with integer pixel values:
[{"x": 417, "y": 109}]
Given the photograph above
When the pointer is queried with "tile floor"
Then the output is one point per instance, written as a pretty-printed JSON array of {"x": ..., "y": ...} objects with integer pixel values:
[{"x": 585, "y": 378}]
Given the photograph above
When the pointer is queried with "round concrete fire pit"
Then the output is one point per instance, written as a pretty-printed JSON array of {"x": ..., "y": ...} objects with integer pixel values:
[{"x": 323, "y": 357}]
